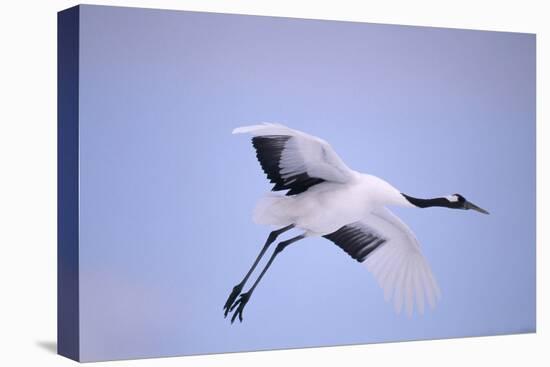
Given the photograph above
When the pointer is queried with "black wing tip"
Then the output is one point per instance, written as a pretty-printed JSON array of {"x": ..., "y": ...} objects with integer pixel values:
[
  {"x": 357, "y": 243},
  {"x": 269, "y": 149}
]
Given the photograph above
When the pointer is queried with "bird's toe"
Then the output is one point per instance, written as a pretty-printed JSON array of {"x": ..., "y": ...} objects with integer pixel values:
[
  {"x": 231, "y": 299},
  {"x": 238, "y": 306}
]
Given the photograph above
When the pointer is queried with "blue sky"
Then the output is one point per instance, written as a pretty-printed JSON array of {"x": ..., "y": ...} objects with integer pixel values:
[{"x": 167, "y": 192}]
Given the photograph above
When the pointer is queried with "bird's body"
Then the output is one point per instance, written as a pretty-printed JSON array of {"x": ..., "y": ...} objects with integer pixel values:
[
  {"x": 326, "y": 207},
  {"x": 324, "y": 197}
]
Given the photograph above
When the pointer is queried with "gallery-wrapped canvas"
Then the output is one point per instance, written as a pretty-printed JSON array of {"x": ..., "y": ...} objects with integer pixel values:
[{"x": 240, "y": 183}]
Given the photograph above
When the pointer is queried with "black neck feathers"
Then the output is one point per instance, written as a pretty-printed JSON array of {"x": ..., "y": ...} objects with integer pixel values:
[{"x": 426, "y": 203}]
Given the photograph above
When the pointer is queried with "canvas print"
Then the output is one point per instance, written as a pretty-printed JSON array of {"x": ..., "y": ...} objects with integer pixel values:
[{"x": 239, "y": 183}]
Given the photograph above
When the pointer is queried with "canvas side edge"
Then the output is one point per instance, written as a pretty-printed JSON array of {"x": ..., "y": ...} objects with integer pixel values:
[{"x": 68, "y": 331}]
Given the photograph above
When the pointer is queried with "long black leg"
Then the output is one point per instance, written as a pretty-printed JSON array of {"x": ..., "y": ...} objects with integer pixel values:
[
  {"x": 239, "y": 287},
  {"x": 243, "y": 299}
]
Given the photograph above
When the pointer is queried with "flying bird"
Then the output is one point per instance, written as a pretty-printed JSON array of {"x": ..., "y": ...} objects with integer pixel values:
[{"x": 326, "y": 198}]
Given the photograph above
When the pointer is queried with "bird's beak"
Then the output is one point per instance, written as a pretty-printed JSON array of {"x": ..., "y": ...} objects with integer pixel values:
[{"x": 468, "y": 205}]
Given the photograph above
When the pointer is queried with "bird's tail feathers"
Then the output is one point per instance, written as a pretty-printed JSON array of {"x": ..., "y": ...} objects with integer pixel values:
[{"x": 270, "y": 210}]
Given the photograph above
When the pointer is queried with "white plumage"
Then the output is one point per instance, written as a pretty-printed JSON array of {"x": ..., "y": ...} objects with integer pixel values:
[
  {"x": 347, "y": 197},
  {"x": 303, "y": 153}
]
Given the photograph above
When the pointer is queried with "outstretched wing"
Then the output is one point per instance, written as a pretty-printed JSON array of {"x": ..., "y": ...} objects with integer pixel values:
[
  {"x": 391, "y": 252},
  {"x": 294, "y": 160}
]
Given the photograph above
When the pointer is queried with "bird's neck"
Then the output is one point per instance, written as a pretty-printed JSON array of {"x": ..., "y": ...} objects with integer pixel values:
[{"x": 427, "y": 203}]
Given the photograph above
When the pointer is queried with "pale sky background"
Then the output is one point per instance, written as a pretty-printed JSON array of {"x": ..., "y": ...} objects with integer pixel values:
[{"x": 167, "y": 192}]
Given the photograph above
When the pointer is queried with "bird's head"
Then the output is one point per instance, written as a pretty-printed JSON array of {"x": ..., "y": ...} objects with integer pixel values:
[{"x": 457, "y": 201}]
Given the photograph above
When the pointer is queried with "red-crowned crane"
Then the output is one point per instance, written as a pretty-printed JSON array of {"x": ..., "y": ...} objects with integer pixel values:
[{"x": 325, "y": 198}]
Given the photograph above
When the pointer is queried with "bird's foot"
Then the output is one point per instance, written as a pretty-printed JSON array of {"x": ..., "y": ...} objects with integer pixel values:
[
  {"x": 241, "y": 302},
  {"x": 232, "y": 297}
]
